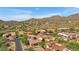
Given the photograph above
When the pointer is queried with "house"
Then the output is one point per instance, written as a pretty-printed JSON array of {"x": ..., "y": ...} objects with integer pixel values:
[
  {"x": 10, "y": 46},
  {"x": 48, "y": 45},
  {"x": 34, "y": 39},
  {"x": 68, "y": 35},
  {"x": 9, "y": 35},
  {"x": 63, "y": 28},
  {"x": 40, "y": 31},
  {"x": 53, "y": 46},
  {"x": 58, "y": 47},
  {"x": 28, "y": 33},
  {"x": 48, "y": 38},
  {"x": 21, "y": 33}
]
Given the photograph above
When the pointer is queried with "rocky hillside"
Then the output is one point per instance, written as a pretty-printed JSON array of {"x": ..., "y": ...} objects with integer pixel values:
[{"x": 44, "y": 23}]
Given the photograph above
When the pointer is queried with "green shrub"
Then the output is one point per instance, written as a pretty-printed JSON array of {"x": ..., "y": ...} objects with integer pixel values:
[
  {"x": 60, "y": 40},
  {"x": 73, "y": 46},
  {"x": 54, "y": 34},
  {"x": 34, "y": 33},
  {"x": 42, "y": 43},
  {"x": 1, "y": 34},
  {"x": 3, "y": 47},
  {"x": 30, "y": 49},
  {"x": 24, "y": 40},
  {"x": 72, "y": 29}
]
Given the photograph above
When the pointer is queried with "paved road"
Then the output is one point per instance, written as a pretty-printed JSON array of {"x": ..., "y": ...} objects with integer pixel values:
[{"x": 18, "y": 44}]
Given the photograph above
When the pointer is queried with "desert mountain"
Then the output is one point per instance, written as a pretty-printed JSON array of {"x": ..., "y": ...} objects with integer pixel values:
[{"x": 44, "y": 23}]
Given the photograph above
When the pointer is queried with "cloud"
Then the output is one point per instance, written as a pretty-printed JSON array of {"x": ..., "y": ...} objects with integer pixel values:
[
  {"x": 21, "y": 14},
  {"x": 69, "y": 11},
  {"x": 16, "y": 17},
  {"x": 22, "y": 17},
  {"x": 14, "y": 14},
  {"x": 47, "y": 15}
]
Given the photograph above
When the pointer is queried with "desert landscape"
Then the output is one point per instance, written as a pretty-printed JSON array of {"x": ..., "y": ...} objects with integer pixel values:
[{"x": 54, "y": 33}]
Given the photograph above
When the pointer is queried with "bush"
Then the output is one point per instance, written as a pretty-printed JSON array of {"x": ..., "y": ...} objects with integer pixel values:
[
  {"x": 73, "y": 46},
  {"x": 55, "y": 34},
  {"x": 42, "y": 43},
  {"x": 30, "y": 49},
  {"x": 72, "y": 29},
  {"x": 24, "y": 40},
  {"x": 1, "y": 34},
  {"x": 34, "y": 33},
  {"x": 3, "y": 47},
  {"x": 60, "y": 40}
]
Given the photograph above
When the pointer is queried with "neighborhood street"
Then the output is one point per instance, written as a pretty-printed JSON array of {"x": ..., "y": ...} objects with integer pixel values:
[{"x": 18, "y": 44}]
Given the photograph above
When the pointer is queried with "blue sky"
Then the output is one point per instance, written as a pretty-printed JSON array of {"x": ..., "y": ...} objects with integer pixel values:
[{"x": 24, "y": 13}]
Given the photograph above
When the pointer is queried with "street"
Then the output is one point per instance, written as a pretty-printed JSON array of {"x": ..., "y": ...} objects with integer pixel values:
[{"x": 18, "y": 44}]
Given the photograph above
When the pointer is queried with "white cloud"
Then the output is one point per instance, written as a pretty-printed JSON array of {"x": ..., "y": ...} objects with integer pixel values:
[
  {"x": 16, "y": 17},
  {"x": 47, "y": 15},
  {"x": 22, "y": 17},
  {"x": 16, "y": 14},
  {"x": 70, "y": 11}
]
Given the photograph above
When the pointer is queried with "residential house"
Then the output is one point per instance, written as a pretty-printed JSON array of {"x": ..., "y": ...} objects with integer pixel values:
[
  {"x": 21, "y": 33},
  {"x": 68, "y": 35},
  {"x": 58, "y": 47},
  {"x": 40, "y": 31},
  {"x": 9, "y": 35},
  {"x": 48, "y": 38},
  {"x": 34, "y": 39},
  {"x": 53, "y": 46},
  {"x": 29, "y": 33},
  {"x": 63, "y": 28},
  {"x": 10, "y": 46}
]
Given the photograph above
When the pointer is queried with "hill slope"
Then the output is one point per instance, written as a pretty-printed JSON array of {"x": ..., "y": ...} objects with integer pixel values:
[{"x": 44, "y": 23}]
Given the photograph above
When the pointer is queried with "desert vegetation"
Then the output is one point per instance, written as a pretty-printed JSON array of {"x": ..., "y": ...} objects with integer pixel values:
[{"x": 51, "y": 25}]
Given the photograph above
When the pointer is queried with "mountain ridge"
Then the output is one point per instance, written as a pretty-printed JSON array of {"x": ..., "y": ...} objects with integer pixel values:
[{"x": 73, "y": 16}]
